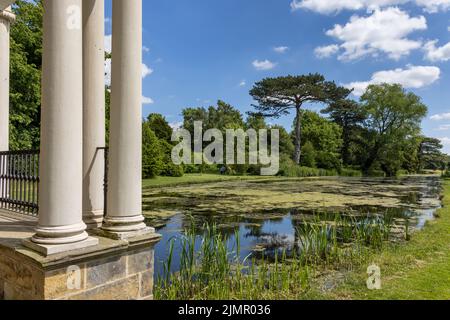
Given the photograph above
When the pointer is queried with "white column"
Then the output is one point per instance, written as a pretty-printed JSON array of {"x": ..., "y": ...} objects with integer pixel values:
[
  {"x": 124, "y": 217},
  {"x": 60, "y": 226},
  {"x": 93, "y": 112},
  {"x": 6, "y": 18}
]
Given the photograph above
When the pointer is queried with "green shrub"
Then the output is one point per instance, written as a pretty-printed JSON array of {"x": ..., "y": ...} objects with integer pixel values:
[
  {"x": 308, "y": 158},
  {"x": 288, "y": 168},
  {"x": 152, "y": 155},
  {"x": 168, "y": 168},
  {"x": 346, "y": 172},
  {"x": 171, "y": 170},
  {"x": 376, "y": 173}
]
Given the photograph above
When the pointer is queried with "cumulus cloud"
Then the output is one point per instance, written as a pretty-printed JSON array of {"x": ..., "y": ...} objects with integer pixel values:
[
  {"x": 147, "y": 100},
  {"x": 176, "y": 125},
  {"x": 434, "y": 53},
  {"x": 108, "y": 43},
  {"x": 383, "y": 31},
  {"x": 433, "y": 6},
  {"x": 146, "y": 71},
  {"x": 281, "y": 49},
  {"x": 108, "y": 72},
  {"x": 263, "y": 65},
  {"x": 243, "y": 83},
  {"x": 440, "y": 117},
  {"x": 326, "y": 51},
  {"x": 413, "y": 77},
  {"x": 445, "y": 141},
  {"x": 444, "y": 127},
  {"x": 335, "y": 6}
]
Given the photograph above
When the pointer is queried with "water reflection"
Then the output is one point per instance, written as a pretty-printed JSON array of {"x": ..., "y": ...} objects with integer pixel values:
[{"x": 276, "y": 230}]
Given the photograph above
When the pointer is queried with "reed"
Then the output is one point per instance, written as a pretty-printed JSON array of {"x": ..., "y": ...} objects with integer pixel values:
[{"x": 212, "y": 268}]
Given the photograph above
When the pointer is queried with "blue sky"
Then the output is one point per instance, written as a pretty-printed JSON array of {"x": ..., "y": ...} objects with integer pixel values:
[{"x": 197, "y": 52}]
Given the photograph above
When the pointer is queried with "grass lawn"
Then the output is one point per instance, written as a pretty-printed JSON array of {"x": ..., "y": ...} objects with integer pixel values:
[
  {"x": 419, "y": 269},
  {"x": 194, "y": 179}
]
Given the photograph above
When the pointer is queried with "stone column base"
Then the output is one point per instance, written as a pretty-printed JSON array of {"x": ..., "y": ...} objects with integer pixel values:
[
  {"x": 47, "y": 250},
  {"x": 117, "y": 235},
  {"x": 110, "y": 270}
]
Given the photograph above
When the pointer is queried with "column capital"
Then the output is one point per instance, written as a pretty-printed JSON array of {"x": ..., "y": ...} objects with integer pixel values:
[{"x": 7, "y": 15}]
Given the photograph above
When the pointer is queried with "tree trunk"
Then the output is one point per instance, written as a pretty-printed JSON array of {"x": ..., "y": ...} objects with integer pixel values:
[
  {"x": 298, "y": 136},
  {"x": 346, "y": 147},
  {"x": 373, "y": 155}
]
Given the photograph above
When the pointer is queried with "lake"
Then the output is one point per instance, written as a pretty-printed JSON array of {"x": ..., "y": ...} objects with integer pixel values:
[{"x": 264, "y": 213}]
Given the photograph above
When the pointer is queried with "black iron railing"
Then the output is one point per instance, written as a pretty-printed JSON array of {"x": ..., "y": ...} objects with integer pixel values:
[{"x": 19, "y": 181}]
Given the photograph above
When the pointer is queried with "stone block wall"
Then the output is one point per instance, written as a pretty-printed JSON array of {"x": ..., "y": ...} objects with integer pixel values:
[{"x": 121, "y": 274}]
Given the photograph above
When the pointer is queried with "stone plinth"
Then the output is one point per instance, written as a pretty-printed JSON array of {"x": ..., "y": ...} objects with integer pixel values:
[{"x": 112, "y": 270}]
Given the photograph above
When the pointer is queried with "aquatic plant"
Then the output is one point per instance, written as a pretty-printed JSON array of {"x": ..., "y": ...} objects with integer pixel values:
[
  {"x": 215, "y": 272},
  {"x": 209, "y": 269}
]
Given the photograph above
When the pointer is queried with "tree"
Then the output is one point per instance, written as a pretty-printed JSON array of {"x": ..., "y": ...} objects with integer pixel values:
[
  {"x": 25, "y": 81},
  {"x": 160, "y": 126},
  {"x": 286, "y": 141},
  {"x": 393, "y": 115},
  {"x": 325, "y": 137},
  {"x": 430, "y": 155},
  {"x": 349, "y": 115},
  {"x": 277, "y": 97},
  {"x": 309, "y": 155},
  {"x": 224, "y": 116},
  {"x": 152, "y": 155},
  {"x": 256, "y": 122}
]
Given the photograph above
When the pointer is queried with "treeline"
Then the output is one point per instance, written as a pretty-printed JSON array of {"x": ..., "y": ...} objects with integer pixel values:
[{"x": 377, "y": 135}]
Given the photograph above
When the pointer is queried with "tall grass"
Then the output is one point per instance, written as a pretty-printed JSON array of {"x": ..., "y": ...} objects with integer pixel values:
[
  {"x": 298, "y": 171},
  {"x": 215, "y": 271}
]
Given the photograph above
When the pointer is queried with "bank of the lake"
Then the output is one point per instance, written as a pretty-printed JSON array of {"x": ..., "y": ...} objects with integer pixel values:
[
  {"x": 267, "y": 213},
  {"x": 418, "y": 269},
  {"x": 189, "y": 179}
]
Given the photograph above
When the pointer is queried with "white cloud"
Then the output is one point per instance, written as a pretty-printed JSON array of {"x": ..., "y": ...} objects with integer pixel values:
[
  {"x": 383, "y": 31},
  {"x": 146, "y": 71},
  {"x": 445, "y": 141},
  {"x": 440, "y": 117},
  {"x": 413, "y": 77},
  {"x": 326, "y": 51},
  {"x": 433, "y": 6},
  {"x": 434, "y": 53},
  {"x": 243, "y": 83},
  {"x": 264, "y": 65},
  {"x": 444, "y": 127},
  {"x": 333, "y": 6},
  {"x": 176, "y": 125},
  {"x": 108, "y": 43},
  {"x": 281, "y": 49},
  {"x": 108, "y": 72},
  {"x": 147, "y": 100}
]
